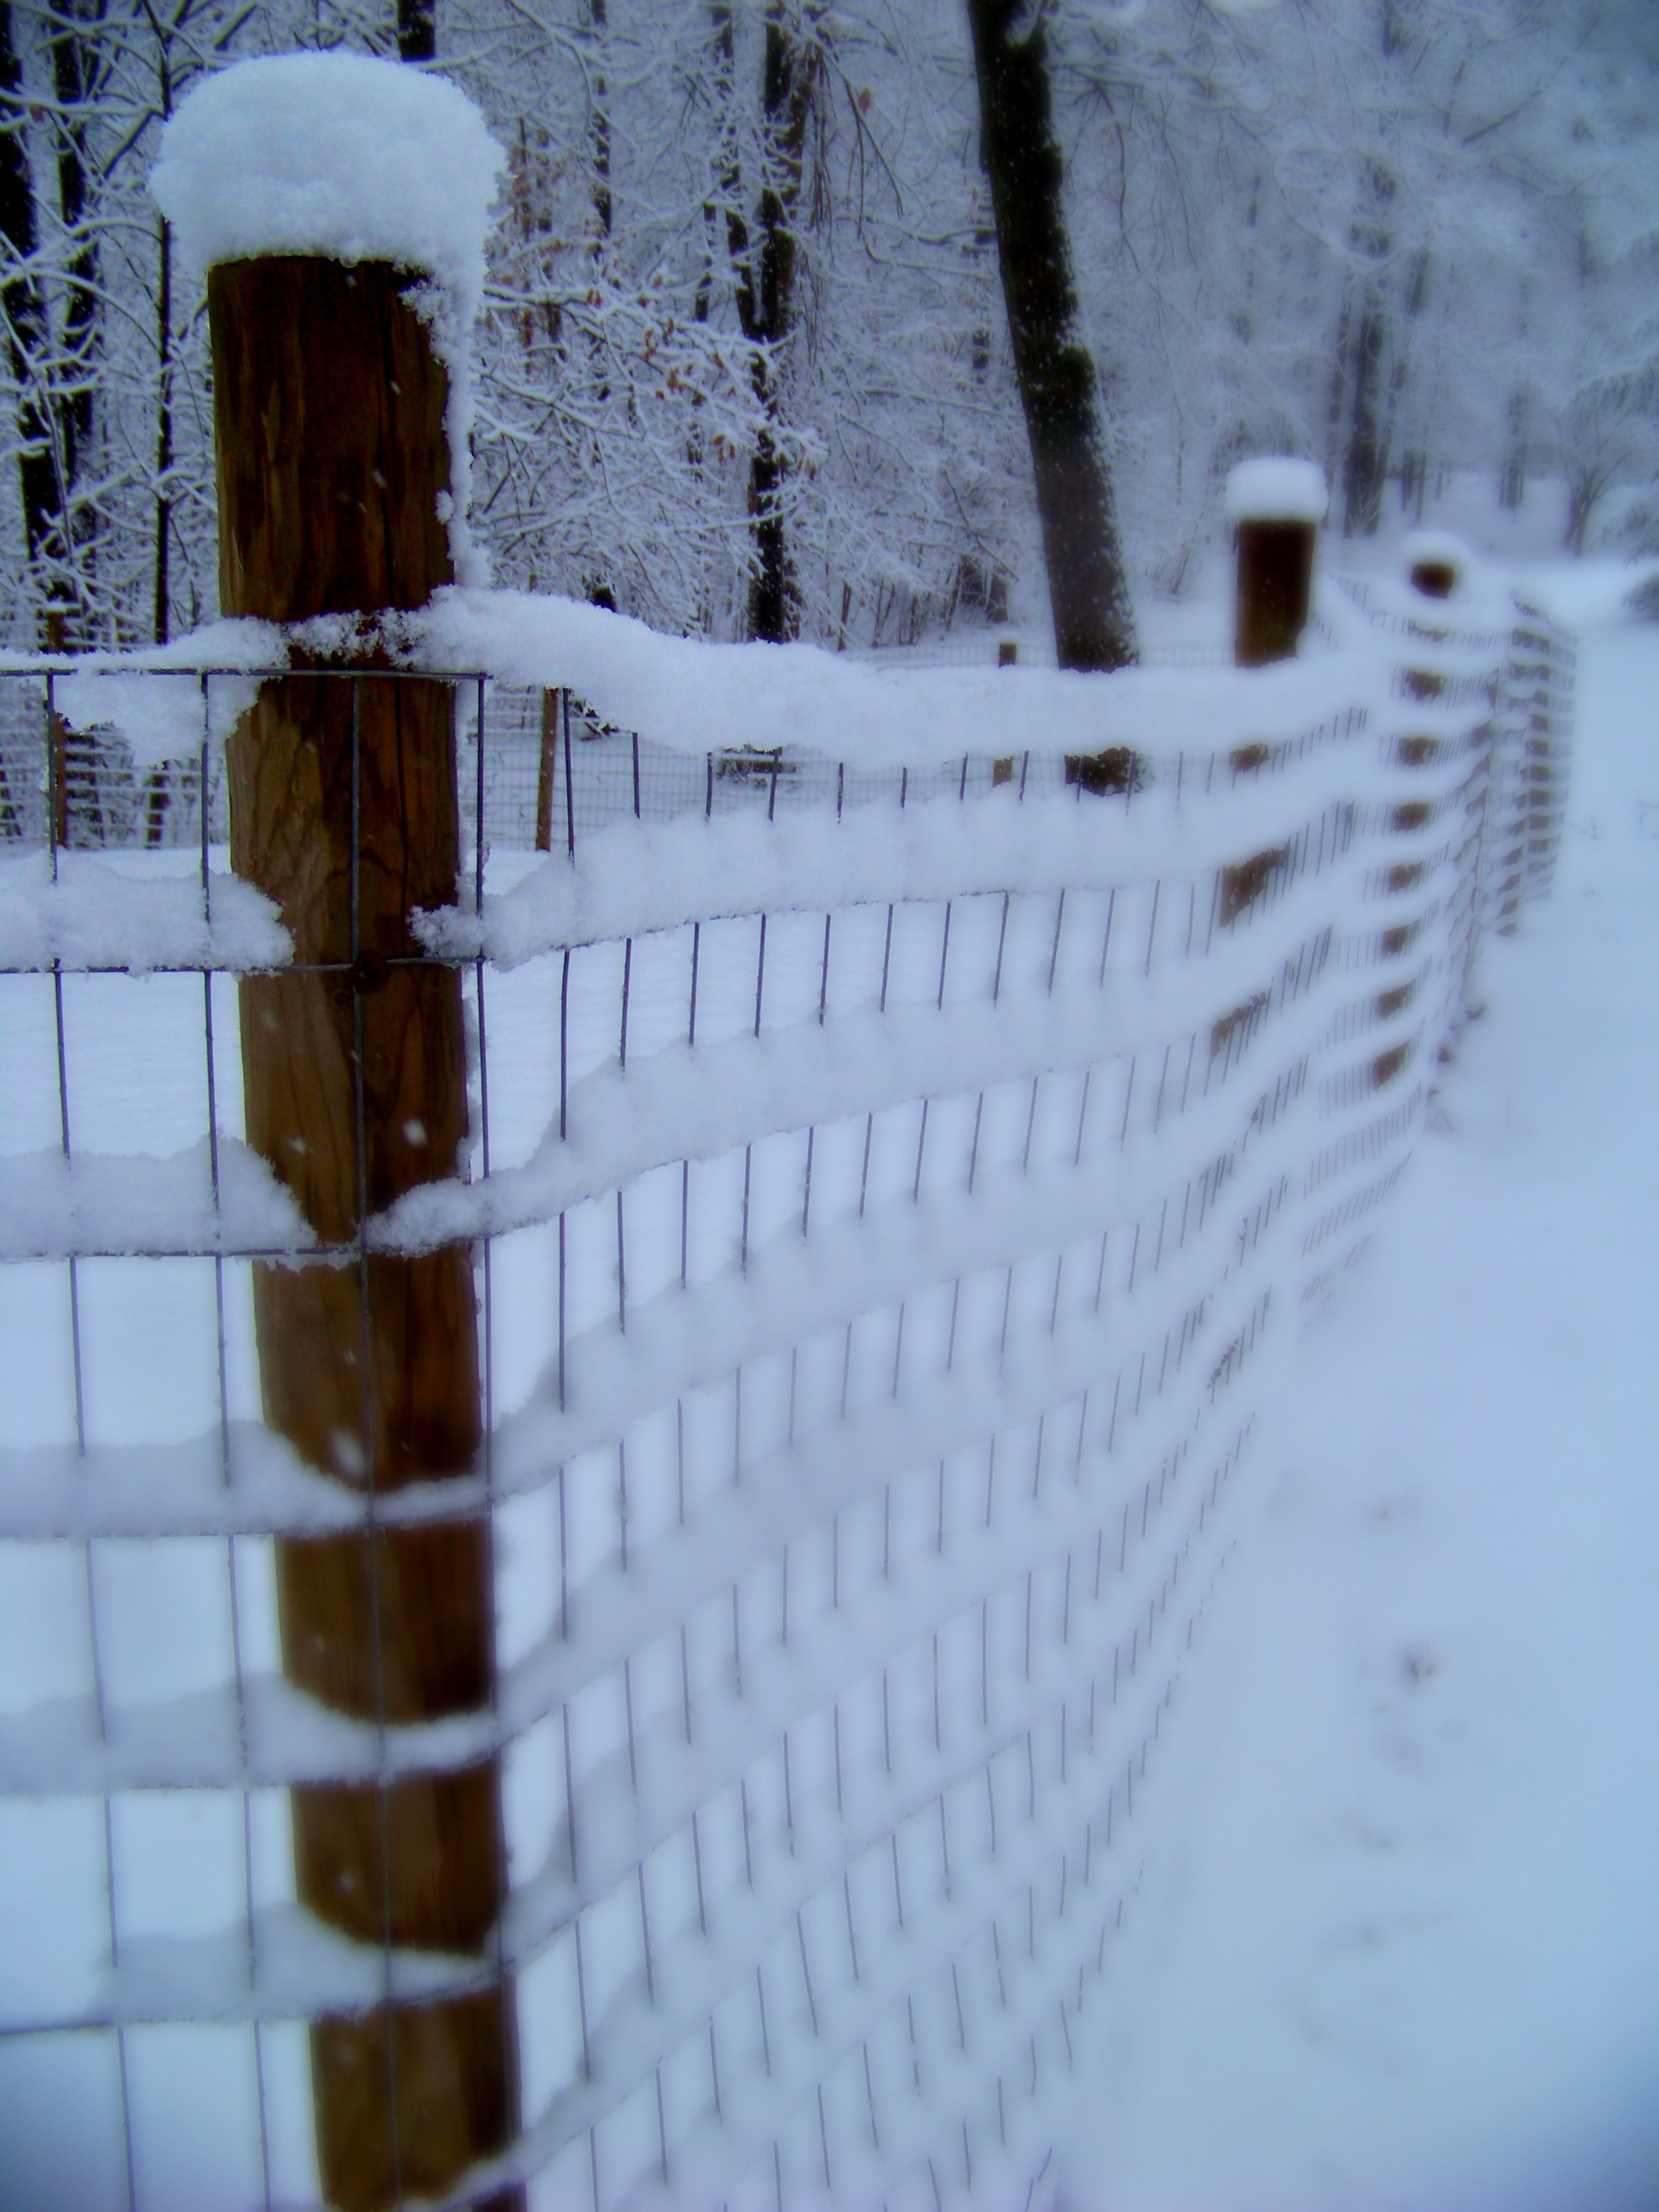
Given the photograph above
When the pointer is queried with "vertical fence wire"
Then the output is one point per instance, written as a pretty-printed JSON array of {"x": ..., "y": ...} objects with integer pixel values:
[{"x": 950, "y": 1681}]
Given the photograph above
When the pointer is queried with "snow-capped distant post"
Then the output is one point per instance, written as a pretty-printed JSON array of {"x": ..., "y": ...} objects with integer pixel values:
[
  {"x": 1275, "y": 508},
  {"x": 337, "y": 206}
]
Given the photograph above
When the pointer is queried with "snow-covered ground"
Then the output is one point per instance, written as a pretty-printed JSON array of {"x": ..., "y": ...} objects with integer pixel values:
[{"x": 1405, "y": 1952}]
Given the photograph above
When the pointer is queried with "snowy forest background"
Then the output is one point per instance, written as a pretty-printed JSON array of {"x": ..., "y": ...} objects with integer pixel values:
[{"x": 748, "y": 239}]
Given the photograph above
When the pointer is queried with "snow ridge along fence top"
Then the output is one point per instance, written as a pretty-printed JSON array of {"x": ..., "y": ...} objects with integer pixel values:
[{"x": 887, "y": 1192}]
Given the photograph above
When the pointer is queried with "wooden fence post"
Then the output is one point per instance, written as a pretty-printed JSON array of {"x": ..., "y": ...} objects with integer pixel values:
[
  {"x": 329, "y": 406},
  {"x": 1276, "y": 507},
  {"x": 1436, "y": 579},
  {"x": 1002, "y": 770},
  {"x": 547, "y": 769}
]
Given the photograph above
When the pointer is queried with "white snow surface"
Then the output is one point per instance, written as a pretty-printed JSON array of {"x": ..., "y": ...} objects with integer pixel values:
[
  {"x": 1405, "y": 1955},
  {"x": 98, "y": 914},
  {"x": 358, "y": 159},
  {"x": 1277, "y": 490},
  {"x": 698, "y": 697},
  {"x": 693, "y": 697},
  {"x": 162, "y": 718},
  {"x": 632, "y": 877},
  {"x": 334, "y": 154},
  {"x": 116, "y": 1203}
]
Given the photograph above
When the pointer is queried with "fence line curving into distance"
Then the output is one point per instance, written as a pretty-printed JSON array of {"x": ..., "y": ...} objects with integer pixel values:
[{"x": 888, "y": 1192}]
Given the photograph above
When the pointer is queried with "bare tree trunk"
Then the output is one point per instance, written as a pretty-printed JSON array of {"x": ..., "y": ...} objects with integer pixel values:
[
  {"x": 1088, "y": 588},
  {"x": 764, "y": 278},
  {"x": 162, "y": 611},
  {"x": 792, "y": 68},
  {"x": 418, "y": 30},
  {"x": 1512, "y": 478},
  {"x": 597, "y": 586},
  {"x": 76, "y": 72},
  {"x": 27, "y": 330},
  {"x": 1364, "y": 459},
  {"x": 1399, "y": 374}
]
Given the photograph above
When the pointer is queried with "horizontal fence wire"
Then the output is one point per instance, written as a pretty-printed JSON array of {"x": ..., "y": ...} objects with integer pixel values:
[{"x": 880, "y": 1300}]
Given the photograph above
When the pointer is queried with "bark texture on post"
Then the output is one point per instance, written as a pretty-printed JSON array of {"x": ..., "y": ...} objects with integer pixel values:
[
  {"x": 1094, "y": 622},
  {"x": 329, "y": 414},
  {"x": 1275, "y": 586}
]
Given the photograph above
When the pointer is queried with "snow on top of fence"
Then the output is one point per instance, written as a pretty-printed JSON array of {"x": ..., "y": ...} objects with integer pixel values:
[
  {"x": 332, "y": 153},
  {"x": 97, "y": 914},
  {"x": 634, "y": 876},
  {"x": 234, "y": 643},
  {"x": 698, "y": 697},
  {"x": 123, "y": 1203},
  {"x": 695, "y": 696},
  {"x": 1277, "y": 490}
]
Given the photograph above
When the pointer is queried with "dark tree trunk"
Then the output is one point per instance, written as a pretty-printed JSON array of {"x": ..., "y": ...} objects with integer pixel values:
[
  {"x": 163, "y": 434},
  {"x": 1400, "y": 376},
  {"x": 791, "y": 73},
  {"x": 1512, "y": 478},
  {"x": 598, "y": 587},
  {"x": 1094, "y": 622},
  {"x": 1364, "y": 466},
  {"x": 418, "y": 30},
  {"x": 27, "y": 329},
  {"x": 765, "y": 287},
  {"x": 76, "y": 73},
  {"x": 1361, "y": 462},
  {"x": 603, "y": 210}
]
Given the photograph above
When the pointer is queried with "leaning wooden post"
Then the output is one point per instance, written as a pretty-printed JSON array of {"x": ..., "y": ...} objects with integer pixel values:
[
  {"x": 332, "y": 418},
  {"x": 1276, "y": 507}
]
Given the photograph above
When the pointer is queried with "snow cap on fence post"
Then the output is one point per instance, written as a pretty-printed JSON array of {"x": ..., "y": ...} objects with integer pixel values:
[
  {"x": 1276, "y": 505},
  {"x": 353, "y": 160}
]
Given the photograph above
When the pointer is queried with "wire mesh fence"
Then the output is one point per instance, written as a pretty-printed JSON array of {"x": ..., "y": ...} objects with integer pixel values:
[{"x": 880, "y": 1263}]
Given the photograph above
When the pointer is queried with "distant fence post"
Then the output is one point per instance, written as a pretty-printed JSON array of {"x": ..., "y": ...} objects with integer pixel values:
[
  {"x": 1002, "y": 769},
  {"x": 1276, "y": 507},
  {"x": 1436, "y": 579},
  {"x": 334, "y": 475},
  {"x": 547, "y": 769}
]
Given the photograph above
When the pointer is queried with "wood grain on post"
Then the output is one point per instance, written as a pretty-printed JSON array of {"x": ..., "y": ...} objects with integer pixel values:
[{"x": 329, "y": 412}]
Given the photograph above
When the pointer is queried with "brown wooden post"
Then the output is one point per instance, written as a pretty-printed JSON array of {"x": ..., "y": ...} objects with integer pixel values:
[
  {"x": 1002, "y": 771},
  {"x": 329, "y": 414},
  {"x": 1275, "y": 507},
  {"x": 1275, "y": 577},
  {"x": 1436, "y": 580},
  {"x": 74, "y": 759},
  {"x": 547, "y": 772}
]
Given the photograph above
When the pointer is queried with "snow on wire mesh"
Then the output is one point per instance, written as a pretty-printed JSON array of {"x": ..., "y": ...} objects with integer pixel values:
[{"x": 891, "y": 1188}]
